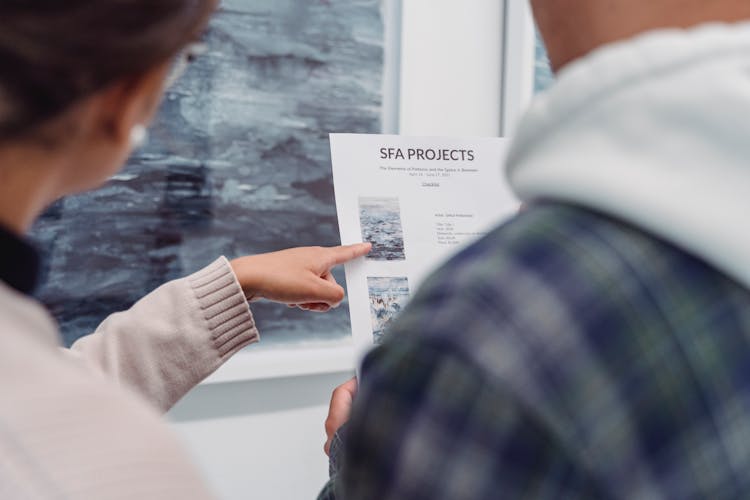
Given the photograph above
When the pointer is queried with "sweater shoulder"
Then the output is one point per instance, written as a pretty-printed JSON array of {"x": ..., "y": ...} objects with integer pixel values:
[{"x": 66, "y": 431}]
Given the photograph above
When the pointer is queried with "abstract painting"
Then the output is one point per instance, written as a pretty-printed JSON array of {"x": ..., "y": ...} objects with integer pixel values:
[
  {"x": 543, "y": 76},
  {"x": 237, "y": 163}
]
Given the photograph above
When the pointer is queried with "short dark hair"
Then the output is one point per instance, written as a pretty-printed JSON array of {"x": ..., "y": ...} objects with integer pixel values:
[{"x": 53, "y": 53}]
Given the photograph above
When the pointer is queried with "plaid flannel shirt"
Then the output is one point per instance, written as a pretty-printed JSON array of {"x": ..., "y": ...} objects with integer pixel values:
[{"x": 565, "y": 355}]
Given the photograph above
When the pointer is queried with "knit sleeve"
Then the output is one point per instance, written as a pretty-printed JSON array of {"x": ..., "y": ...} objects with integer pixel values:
[{"x": 174, "y": 337}]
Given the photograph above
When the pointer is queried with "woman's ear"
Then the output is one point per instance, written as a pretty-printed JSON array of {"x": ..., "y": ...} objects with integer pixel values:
[
  {"x": 130, "y": 104},
  {"x": 104, "y": 125}
]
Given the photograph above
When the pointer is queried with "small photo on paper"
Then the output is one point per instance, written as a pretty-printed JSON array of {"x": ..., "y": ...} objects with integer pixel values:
[
  {"x": 380, "y": 219},
  {"x": 388, "y": 296}
]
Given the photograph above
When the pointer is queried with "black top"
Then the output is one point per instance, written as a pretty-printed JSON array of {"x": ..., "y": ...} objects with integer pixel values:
[{"x": 19, "y": 262}]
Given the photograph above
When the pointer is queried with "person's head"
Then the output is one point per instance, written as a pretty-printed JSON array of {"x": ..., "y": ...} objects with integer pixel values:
[
  {"x": 573, "y": 28},
  {"x": 77, "y": 76}
]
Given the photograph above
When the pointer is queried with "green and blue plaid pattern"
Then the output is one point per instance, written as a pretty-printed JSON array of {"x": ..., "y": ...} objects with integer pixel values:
[{"x": 565, "y": 355}]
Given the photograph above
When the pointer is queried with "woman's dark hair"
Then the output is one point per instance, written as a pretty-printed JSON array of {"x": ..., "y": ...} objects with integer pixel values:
[{"x": 54, "y": 53}]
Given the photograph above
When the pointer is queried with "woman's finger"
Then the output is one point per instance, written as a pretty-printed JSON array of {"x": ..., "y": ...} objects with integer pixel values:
[{"x": 343, "y": 254}]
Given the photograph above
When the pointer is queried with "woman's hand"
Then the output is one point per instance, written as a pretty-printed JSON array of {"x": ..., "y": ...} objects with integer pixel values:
[
  {"x": 299, "y": 277},
  {"x": 339, "y": 410}
]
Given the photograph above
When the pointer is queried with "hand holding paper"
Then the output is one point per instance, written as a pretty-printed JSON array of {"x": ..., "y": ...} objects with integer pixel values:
[{"x": 339, "y": 410}]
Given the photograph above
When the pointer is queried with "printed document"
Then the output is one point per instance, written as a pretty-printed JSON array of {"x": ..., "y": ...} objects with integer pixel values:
[{"x": 418, "y": 200}]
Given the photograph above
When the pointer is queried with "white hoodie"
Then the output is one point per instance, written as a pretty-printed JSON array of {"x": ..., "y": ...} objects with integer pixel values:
[{"x": 654, "y": 131}]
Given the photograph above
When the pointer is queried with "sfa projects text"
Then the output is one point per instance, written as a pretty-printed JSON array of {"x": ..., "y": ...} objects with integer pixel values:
[{"x": 427, "y": 154}]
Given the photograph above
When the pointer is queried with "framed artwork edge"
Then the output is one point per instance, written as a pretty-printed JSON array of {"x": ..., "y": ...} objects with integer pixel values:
[
  {"x": 518, "y": 64},
  {"x": 270, "y": 363}
]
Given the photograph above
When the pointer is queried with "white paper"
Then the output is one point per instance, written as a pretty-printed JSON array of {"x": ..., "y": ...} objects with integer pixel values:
[{"x": 418, "y": 200}]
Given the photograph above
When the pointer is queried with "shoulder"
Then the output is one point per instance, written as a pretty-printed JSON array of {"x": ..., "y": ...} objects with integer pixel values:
[
  {"x": 550, "y": 262},
  {"x": 68, "y": 431},
  {"x": 556, "y": 287},
  {"x": 570, "y": 320},
  {"x": 561, "y": 245},
  {"x": 547, "y": 262},
  {"x": 495, "y": 300}
]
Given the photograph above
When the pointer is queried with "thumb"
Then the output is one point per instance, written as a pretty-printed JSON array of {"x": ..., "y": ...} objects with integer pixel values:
[
  {"x": 343, "y": 254},
  {"x": 327, "y": 292},
  {"x": 339, "y": 409}
]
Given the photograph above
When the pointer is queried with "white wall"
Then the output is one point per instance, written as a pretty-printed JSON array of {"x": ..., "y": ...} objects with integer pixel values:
[
  {"x": 263, "y": 439},
  {"x": 451, "y": 75},
  {"x": 259, "y": 439}
]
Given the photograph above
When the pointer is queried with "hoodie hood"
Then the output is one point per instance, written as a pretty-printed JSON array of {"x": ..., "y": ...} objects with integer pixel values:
[{"x": 654, "y": 131}]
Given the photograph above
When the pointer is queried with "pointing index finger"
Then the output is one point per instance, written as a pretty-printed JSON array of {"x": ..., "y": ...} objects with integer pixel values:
[{"x": 343, "y": 254}]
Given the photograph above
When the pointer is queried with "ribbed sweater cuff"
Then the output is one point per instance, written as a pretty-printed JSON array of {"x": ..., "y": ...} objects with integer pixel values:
[{"x": 224, "y": 307}]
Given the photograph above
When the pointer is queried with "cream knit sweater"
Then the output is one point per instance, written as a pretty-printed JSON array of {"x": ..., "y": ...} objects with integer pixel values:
[{"x": 85, "y": 423}]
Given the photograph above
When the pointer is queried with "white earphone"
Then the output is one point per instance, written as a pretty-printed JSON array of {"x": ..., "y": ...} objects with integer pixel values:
[{"x": 138, "y": 137}]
